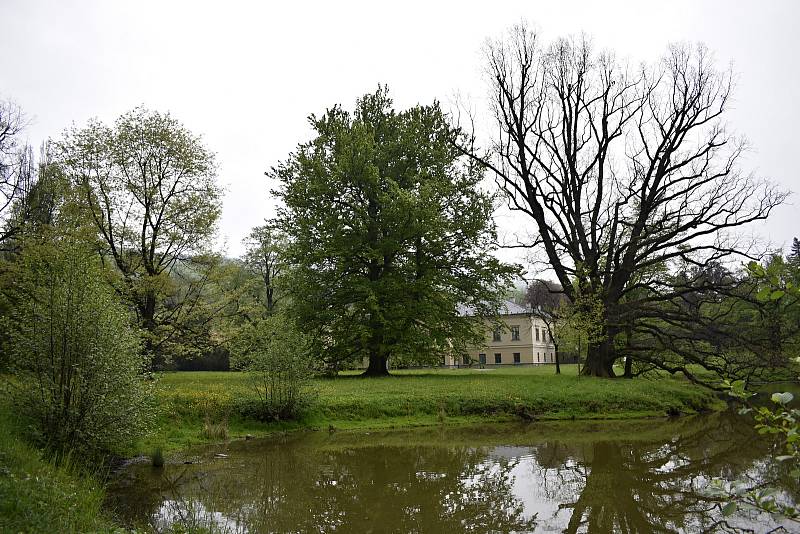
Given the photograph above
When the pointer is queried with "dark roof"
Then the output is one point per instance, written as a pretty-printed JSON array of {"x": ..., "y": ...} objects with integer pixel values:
[{"x": 507, "y": 307}]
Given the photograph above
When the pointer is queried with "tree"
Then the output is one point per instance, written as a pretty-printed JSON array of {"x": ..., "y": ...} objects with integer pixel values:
[
  {"x": 16, "y": 167},
  {"x": 389, "y": 232},
  {"x": 149, "y": 185},
  {"x": 75, "y": 358},
  {"x": 620, "y": 171},
  {"x": 794, "y": 255},
  {"x": 547, "y": 302},
  {"x": 264, "y": 258}
]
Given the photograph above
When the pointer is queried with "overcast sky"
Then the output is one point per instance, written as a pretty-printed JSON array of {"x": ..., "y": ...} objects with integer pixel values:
[{"x": 246, "y": 75}]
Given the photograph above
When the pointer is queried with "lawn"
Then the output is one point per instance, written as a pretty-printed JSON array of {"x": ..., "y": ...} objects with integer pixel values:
[{"x": 423, "y": 397}]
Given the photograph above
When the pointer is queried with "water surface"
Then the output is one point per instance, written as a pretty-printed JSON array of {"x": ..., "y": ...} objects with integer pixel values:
[{"x": 605, "y": 476}]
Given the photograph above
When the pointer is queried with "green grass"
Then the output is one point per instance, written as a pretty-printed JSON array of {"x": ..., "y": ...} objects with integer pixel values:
[
  {"x": 36, "y": 495},
  {"x": 424, "y": 397}
]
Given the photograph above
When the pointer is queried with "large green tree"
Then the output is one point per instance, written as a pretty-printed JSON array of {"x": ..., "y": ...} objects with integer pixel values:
[
  {"x": 149, "y": 186},
  {"x": 389, "y": 232}
]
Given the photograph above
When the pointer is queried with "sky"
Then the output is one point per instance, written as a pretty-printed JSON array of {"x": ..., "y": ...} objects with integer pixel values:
[{"x": 246, "y": 75}]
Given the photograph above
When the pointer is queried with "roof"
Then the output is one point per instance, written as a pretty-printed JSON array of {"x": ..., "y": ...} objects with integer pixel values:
[{"x": 507, "y": 307}]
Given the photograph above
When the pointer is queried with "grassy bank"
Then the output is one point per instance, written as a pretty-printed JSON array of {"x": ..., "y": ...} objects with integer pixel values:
[
  {"x": 37, "y": 496},
  {"x": 422, "y": 397}
]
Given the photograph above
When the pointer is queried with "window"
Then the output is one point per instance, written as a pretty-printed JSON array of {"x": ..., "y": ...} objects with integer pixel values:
[
  {"x": 466, "y": 359},
  {"x": 516, "y": 357},
  {"x": 496, "y": 335},
  {"x": 515, "y": 333},
  {"x": 537, "y": 358},
  {"x": 482, "y": 359},
  {"x": 498, "y": 358},
  {"x": 537, "y": 333}
]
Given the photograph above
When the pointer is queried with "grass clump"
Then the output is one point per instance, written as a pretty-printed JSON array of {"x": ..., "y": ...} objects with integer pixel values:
[
  {"x": 157, "y": 457},
  {"x": 215, "y": 431}
]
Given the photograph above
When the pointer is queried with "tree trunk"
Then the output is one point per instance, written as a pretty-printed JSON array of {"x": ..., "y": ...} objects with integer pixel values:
[
  {"x": 628, "y": 367},
  {"x": 147, "y": 309},
  {"x": 558, "y": 362},
  {"x": 628, "y": 357},
  {"x": 600, "y": 359},
  {"x": 378, "y": 365}
]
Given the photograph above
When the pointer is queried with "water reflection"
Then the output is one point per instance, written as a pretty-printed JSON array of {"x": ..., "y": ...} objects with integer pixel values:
[{"x": 575, "y": 477}]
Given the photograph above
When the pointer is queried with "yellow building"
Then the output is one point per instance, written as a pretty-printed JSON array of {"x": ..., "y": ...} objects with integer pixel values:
[{"x": 522, "y": 339}]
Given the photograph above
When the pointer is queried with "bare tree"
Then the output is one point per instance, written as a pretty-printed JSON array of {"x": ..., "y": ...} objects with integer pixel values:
[
  {"x": 547, "y": 300},
  {"x": 16, "y": 167},
  {"x": 625, "y": 174}
]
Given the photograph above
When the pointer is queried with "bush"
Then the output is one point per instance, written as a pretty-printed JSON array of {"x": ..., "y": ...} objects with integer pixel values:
[
  {"x": 279, "y": 369},
  {"x": 76, "y": 362}
]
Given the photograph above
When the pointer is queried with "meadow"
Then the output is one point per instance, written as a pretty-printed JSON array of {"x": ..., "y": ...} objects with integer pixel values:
[{"x": 192, "y": 404}]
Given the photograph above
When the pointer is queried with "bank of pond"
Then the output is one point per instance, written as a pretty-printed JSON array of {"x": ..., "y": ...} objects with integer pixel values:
[
  {"x": 191, "y": 401},
  {"x": 495, "y": 451}
]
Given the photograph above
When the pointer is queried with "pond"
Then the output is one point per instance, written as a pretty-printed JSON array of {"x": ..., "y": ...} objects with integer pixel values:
[{"x": 602, "y": 476}]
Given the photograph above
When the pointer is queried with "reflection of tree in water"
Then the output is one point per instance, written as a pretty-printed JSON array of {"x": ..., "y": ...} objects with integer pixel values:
[
  {"x": 649, "y": 486},
  {"x": 644, "y": 478},
  {"x": 369, "y": 489}
]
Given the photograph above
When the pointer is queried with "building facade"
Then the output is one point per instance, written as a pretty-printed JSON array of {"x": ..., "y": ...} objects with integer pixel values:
[{"x": 520, "y": 339}]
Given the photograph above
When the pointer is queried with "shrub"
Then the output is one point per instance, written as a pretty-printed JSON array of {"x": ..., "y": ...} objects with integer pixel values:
[
  {"x": 279, "y": 369},
  {"x": 76, "y": 361}
]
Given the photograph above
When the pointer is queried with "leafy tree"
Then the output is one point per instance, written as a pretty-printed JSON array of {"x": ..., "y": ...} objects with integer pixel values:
[
  {"x": 794, "y": 255},
  {"x": 781, "y": 420},
  {"x": 75, "y": 358},
  {"x": 619, "y": 171},
  {"x": 264, "y": 258},
  {"x": 149, "y": 186},
  {"x": 389, "y": 232}
]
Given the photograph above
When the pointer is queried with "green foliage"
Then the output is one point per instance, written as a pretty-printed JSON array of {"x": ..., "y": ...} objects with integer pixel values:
[
  {"x": 778, "y": 420},
  {"x": 148, "y": 186},
  {"x": 276, "y": 357},
  {"x": 265, "y": 260},
  {"x": 76, "y": 362},
  {"x": 389, "y": 233}
]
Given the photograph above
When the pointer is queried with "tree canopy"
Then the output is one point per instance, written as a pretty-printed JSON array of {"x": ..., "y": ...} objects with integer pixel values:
[
  {"x": 149, "y": 186},
  {"x": 389, "y": 231}
]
